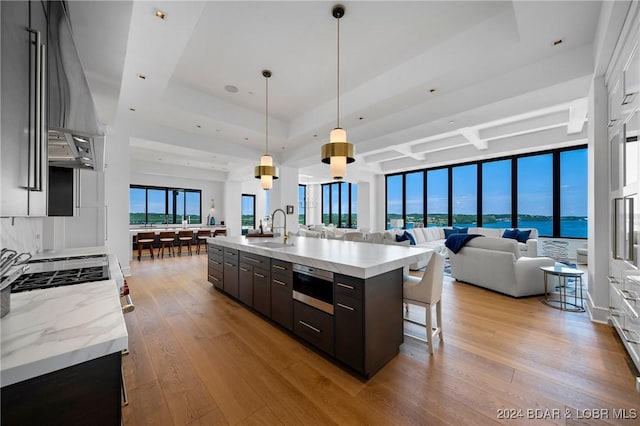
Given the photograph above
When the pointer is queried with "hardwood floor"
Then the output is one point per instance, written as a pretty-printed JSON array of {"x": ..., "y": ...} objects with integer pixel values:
[{"x": 197, "y": 357}]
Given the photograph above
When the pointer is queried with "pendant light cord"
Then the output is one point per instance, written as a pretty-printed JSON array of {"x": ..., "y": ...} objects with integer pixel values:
[
  {"x": 338, "y": 75},
  {"x": 266, "y": 82}
]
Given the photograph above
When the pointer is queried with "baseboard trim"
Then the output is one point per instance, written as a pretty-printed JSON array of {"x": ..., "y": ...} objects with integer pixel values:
[{"x": 596, "y": 313}]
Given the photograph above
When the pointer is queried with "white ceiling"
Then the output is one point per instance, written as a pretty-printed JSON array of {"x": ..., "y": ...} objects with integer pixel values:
[{"x": 487, "y": 61}]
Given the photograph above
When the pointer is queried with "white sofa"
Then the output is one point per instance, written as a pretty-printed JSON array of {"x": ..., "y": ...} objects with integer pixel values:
[
  {"x": 497, "y": 264},
  {"x": 433, "y": 237}
]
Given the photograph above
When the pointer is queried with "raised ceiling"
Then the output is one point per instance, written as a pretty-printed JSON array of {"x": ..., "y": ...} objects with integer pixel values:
[{"x": 496, "y": 73}]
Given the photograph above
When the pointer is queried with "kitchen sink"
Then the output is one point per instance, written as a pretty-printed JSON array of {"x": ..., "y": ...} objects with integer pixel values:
[{"x": 272, "y": 244}]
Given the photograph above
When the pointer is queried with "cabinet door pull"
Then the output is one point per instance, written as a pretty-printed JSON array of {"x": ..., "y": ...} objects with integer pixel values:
[
  {"x": 258, "y": 275},
  {"x": 244, "y": 269},
  {"x": 346, "y": 307},
  {"x": 279, "y": 267},
  {"x": 252, "y": 259},
  {"x": 229, "y": 264},
  {"x": 279, "y": 282},
  {"x": 214, "y": 278},
  {"x": 624, "y": 332},
  {"x": 614, "y": 312},
  {"x": 630, "y": 295},
  {"x": 310, "y": 326},
  {"x": 350, "y": 287},
  {"x": 213, "y": 261}
]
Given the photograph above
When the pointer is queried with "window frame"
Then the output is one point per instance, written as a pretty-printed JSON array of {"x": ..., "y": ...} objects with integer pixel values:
[
  {"x": 349, "y": 214},
  {"x": 170, "y": 198}
]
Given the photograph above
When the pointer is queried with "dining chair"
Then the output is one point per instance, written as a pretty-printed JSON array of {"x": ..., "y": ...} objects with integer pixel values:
[
  {"x": 201, "y": 237},
  {"x": 426, "y": 292},
  {"x": 166, "y": 239},
  {"x": 143, "y": 238},
  {"x": 185, "y": 237}
]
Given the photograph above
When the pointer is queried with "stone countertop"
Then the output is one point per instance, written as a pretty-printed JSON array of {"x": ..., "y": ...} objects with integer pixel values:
[
  {"x": 55, "y": 328},
  {"x": 356, "y": 259}
]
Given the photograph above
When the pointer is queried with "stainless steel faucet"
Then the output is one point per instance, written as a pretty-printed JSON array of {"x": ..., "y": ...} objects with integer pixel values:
[{"x": 286, "y": 237}]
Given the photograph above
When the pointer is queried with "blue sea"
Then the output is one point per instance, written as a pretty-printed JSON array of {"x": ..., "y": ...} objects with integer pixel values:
[{"x": 568, "y": 228}]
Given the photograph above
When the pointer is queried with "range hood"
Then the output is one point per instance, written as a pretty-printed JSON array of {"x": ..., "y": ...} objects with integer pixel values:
[{"x": 72, "y": 120}]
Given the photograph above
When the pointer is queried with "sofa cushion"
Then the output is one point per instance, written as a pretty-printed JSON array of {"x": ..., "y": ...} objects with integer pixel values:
[
  {"x": 375, "y": 237},
  {"x": 487, "y": 232},
  {"x": 517, "y": 234},
  {"x": 461, "y": 230},
  {"x": 434, "y": 233},
  {"x": 404, "y": 237},
  {"x": 412, "y": 239},
  {"x": 499, "y": 244},
  {"x": 418, "y": 235}
]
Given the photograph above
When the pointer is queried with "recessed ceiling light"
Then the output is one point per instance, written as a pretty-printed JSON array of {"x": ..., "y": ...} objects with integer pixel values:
[
  {"x": 142, "y": 76},
  {"x": 452, "y": 122},
  {"x": 251, "y": 93},
  {"x": 432, "y": 90},
  {"x": 199, "y": 126},
  {"x": 231, "y": 88},
  {"x": 160, "y": 14},
  {"x": 361, "y": 118},
  {"x": 557, "y": 42},
  {"x": 246, "y": 139},
  {"x": 315, "y": 136},
  {"x": 132, "y": 109}
]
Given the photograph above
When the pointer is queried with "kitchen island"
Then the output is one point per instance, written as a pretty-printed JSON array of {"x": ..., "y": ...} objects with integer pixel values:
[
  {"x": 344, "y": 298},
  {"x": 61, "y": 352}
]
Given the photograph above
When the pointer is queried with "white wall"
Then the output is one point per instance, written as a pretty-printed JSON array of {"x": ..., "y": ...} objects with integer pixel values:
[
  {"x": 22, "y": 234},
  {"x": 231, "y": 207}
]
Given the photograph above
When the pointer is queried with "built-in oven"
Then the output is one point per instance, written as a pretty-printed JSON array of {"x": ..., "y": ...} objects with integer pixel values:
[{"x": 313, "y": 287}]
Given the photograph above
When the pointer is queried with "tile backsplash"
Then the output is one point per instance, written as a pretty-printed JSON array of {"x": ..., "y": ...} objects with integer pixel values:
[{"x": 22, "y": 234}]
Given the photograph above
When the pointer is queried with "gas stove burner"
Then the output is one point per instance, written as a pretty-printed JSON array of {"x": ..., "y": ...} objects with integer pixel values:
[
  {"x": 42, "y": 280},
  {"x": 58, "y": 259}
]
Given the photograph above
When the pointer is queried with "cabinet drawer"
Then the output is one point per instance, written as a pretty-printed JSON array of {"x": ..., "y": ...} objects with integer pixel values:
[
  {"x": 216, "y": 263},
  {"x": 348, "y": 286},
  {"x": 281, "y": 267},
  {"x": 314, "y": 326},
  {"x": 215, "y": 277},
  {"x": 215, "y": 250},
  {"x": 254, "y": 259},
  {"x": 245, "y": 284},
  {"x": 230, "y": 253}
]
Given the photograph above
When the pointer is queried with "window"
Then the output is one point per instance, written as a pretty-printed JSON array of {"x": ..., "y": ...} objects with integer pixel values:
[
  {"x": 326, "y": 204},
  {"x": 496, "y": 194},
  {"x": 248, "y": 211},
  {"x": 414, "y": 196},
  {"x": 267, "y": 203},
  {"x": 394, "y": 199},
  {"x": 465, "y": 195},
  {"x": 546, "y": 191},
  {"x": 535, "y": 193},
  {"x": 573, "y": 193},
  {"x": 158, "y": 205},
  {"x": 438, "y": 197},
  {"x": 338, "y": 204},
  {"x": 302, "y": 204}
]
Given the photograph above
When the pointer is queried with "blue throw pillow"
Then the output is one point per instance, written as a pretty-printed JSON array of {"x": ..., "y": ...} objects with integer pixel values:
[
  {"x": 461, "y": 230},
  {"x": 448, "y": 232},
  {"x": 402, "y": 237},
  {"x": 511, "y": 233},
  {"x": 412, "y": 241},
  {"x": 523, "y": 236}
]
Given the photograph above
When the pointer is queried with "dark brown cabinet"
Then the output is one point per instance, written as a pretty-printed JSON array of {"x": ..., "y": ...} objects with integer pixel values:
[
  {"x": 368, "y": 320},
  {"x": 314, "y": 326},
  {"x": 282, "y": 293},
  {"x": 215, "y": 271},
  {"x": 253, "y": 283},
  {"x": 230, "y": 277}
]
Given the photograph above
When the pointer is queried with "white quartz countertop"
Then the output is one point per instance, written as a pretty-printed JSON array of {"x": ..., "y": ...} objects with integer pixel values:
[
  {"x": 356, "y": 259},
  {"x": 47, "y": 330}
]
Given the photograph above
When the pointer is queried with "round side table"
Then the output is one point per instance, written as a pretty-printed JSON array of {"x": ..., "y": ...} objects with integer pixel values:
[{"x": 563, "y": 273}]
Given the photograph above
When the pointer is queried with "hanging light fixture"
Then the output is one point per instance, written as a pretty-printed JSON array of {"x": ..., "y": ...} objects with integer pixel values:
[
  {"x": 266, "y": 171},
  {"x": 338, "y": 152}
]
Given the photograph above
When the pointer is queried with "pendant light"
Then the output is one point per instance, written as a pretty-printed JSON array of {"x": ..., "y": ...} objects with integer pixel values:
[
  {"x": 338, "y": 152},
  {"x": 266, "y": 171}
]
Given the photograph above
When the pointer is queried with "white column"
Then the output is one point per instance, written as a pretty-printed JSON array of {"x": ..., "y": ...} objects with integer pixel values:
[
  {"x": 598, "y": 203},
  {"x": 116, "y": 179},
  {"x": 231, "y": 207}
]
